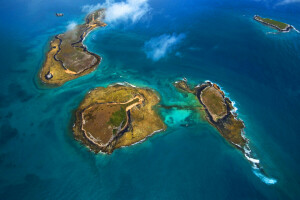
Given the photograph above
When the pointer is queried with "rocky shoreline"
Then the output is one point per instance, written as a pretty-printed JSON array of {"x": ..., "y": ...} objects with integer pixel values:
[
  {"x": 286, "y": 29},
  {"x": 228, "y": 125},
  {"x": 229, "y": 118},
  {"x": 141, "y": 122},
  {"x": 223, "y": 118},
  {"x": 61, "y": 64},
  {"x": 91, "y": 144}
]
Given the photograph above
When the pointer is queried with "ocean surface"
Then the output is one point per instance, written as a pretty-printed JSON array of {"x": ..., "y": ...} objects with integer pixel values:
[{"x": 206, "y": 40}]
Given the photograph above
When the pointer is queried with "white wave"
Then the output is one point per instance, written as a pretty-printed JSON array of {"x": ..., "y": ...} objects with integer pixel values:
[
  {"x": 206, "y": 81},
  {"x": 237, "y": 145},
  {"x": 247, "y": 154},
  {"x": 274, "y": 33},
  {"x": 234, "y": 107},
  {"x": 268, "y": 181},
  {"x": 244, "y": 136},
  {"x": 296, "y": 29},
  {"x": 123, "y": 83},
  {"x": 143, "y": 140},
  {"x": 85, "y": 37},
  {"x": 257, "y": 171},
  {"x": 252, "y": 160},
  {"x": 247, "y": 149},
  {"x": 130, "y": 84}
]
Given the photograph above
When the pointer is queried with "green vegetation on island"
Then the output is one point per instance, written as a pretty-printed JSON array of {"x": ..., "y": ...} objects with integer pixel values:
[
  {"x": 280, "y": 26},
  {"x": 116, "y": 116}
]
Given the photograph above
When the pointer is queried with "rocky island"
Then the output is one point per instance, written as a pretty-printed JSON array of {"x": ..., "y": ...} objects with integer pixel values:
[
  {"x": 68, "y": 58},
  {"x": 280, "y": 26},
  {"x": 219, "y": 113},
  {"x": 218, "y": 109},
  {"x": 116, "y": 116}
]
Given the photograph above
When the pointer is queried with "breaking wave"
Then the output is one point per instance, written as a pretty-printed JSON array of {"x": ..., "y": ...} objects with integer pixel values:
[
  {"x": 257, "y": 170},
  {"x": 296, "y": 29},
  {"x": 263, "y": 178}
]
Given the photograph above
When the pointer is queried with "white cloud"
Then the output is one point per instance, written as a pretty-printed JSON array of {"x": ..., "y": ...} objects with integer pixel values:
[
  {"x": 125, "y": 11},
  {"x": 91, "y": 8},
  {"x": 284, "y": 2},
  {"x": 71, "y": 25},
  {"x": 158, "y": 47}
]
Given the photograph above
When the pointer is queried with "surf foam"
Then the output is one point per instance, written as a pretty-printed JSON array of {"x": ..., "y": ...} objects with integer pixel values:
[
  {"x": 263, "y": 178},
  {"x": 296, "y": 29},
  {"x": 257, "y": 170}
]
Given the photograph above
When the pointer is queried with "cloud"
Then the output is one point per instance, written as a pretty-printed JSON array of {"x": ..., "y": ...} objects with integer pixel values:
[
  {"x": 125, "y": 11},
  {"x": 284, "y": 2},
  {"x": 71, "y": 25},
  {"x": 91, "y": 8},
  {"x": 158, "y": 47}
]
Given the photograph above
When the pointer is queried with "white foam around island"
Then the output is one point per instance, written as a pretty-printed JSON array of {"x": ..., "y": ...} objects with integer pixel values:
[
  {"x": 296, "y": 29},
  {"x": 256, "y": 170},
  {"x": 123, "y": 83},
  {"x": 252, "y": 160},
  {"x": 234, "y": 107},
  {"x": 143, "y": 140},
  {"x": 267, "y": 180}
]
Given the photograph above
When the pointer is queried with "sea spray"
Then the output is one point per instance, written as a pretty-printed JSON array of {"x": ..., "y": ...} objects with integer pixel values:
[
  {"x": 256, "y": 168},
  {"x": 296, "y": 29},
  {"x": 264, "y": 178}
]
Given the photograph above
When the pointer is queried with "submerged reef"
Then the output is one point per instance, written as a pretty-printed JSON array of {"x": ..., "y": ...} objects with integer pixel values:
[
  {"x": 116, "y": 116},
  {"x": 68, "y": 58}
]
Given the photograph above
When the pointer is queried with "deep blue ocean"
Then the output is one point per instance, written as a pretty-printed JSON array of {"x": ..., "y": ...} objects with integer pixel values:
[{"x": 218, "y": 41}]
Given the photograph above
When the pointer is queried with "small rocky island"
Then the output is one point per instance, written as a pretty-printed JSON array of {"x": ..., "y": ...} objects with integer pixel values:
[
  {"x": 116, "y": 116},
  {"x": 218, "y": 109},
  {"x": 280, "y": 26},
  {"x": 68, "y": 58}
]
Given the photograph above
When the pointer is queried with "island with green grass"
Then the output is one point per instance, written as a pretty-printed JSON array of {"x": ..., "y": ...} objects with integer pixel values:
[
  {"x": 116, "y": 116},
  {"x": 219, "y": 111},
  {"x": 68, "y": 58},
  {"x": 280, "y": 26}
]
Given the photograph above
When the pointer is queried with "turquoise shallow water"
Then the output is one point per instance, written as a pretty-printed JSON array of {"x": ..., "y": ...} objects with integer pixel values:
[{"x": 39, "y": 159}]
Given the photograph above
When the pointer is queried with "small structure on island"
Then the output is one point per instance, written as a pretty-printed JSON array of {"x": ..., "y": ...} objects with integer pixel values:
[{"x": 48, "y": 76}]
